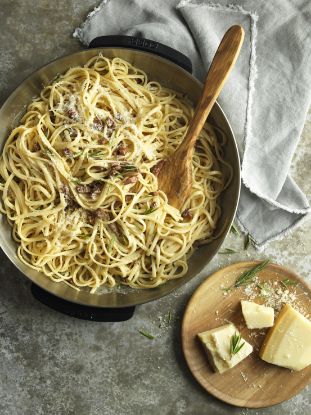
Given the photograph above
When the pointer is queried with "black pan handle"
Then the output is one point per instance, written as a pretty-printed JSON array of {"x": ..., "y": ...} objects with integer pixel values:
[
  {"x": 146, "y": 45},
  {"x": 81, "y": 311}
]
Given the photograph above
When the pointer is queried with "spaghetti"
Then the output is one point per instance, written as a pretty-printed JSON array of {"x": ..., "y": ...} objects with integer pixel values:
[{"x": 79, "y": 180}]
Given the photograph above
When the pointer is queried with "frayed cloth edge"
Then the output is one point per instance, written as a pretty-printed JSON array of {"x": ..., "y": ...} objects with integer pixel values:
[{"x": 78, "y": 32}]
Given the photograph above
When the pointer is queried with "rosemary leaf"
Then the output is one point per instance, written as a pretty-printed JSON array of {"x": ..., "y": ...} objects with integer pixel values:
[
  {"x": 151, "y": 210},
  {"x": 84, "y": 236},
  {"x": 129, "y": 167},
  {"x": 96, "y": 154},
  {"x": 57, "y": 78},
  {"x": 229, "y": 251},
  {"x": 78, "y": 154},
  {"x": 76, "y": 180},
  {"x": 247, "y": 241},
  {"x": 234, "y": 229},
  {"x": 287, "y": 282},
  {"x": 235, "y": 343},
  {"x": 111, "y": 244},
  {"x": 248, "y": 276},
  {"x": 169, "y": 317},
  {"x": 148, "y": 335}
]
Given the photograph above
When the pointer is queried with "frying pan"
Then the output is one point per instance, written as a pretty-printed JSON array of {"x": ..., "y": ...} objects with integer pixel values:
[{"x": 171, "y": 69}]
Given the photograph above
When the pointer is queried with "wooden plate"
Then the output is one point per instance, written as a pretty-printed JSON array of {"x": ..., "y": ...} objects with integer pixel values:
[{"x": 253, "y": 383}]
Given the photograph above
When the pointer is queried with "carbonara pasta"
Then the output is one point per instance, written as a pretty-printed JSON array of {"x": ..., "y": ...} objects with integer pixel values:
[{"x": 79, "y": 180}]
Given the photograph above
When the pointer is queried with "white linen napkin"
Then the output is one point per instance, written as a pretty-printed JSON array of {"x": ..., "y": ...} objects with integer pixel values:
[{"x": 266, "y": 97}]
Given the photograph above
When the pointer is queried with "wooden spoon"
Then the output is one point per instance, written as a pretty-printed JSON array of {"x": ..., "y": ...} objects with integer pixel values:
[{"x": 175, "y": 173}]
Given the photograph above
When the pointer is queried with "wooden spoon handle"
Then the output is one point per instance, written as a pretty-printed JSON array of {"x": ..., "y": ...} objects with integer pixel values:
[{"x": 224, "y": 60}]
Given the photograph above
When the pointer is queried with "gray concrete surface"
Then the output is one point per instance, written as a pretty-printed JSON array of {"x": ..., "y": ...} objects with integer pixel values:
[{"x": 53, "y": 364}]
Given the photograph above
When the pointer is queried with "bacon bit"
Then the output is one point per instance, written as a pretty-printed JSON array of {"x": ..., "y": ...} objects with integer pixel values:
[
  {"x": 73, "y": 114},
  {"x": 128, "y": 198},
  {"x": 102, "y": 141},
  {"x": 186, "y": 214},
  {"x": 109, "y": 132},
  {"x": 95, "y": 189},
  {"x": 156, "y": 169},
  {"x": 131, "y": 179},
  {"x": 153, "y": 205},
  {"x": 65, "y": 190},
  {"x": 110, "y": 123},
  {"x": 154, "y": 193},
  {"x": 117, "y": 204},
  {"x": 71, "y": 203},
  {"x": 115, "y": 228},
  {"x": 67, "y": 152},
  {"x": 102, "y": 214},
  {"x": 72, "y": 132},
  {"x": 121, "y": 150},
  {"x": 91, "y": 189},
  {"x": 91, "y": 218},
  {"x": 83, "y": 188},
  {"x": 115, "y": 169},
  {"x": 98, "y": 124},
  {"x": 36, "y": 147}
]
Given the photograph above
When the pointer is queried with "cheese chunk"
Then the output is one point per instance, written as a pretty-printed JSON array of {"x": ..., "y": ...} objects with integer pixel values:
[
  {"x": 257, "y": 316},
  {"x": 288, "y": 343},
  {"x": 217, "y": 343}
]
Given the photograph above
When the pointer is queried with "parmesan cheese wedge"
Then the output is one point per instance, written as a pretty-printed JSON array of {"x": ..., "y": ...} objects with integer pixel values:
[
  {"x": 288, "y": 343},
  {"x": 217, "y": 342},
  {"x": 257, "y": 316}
]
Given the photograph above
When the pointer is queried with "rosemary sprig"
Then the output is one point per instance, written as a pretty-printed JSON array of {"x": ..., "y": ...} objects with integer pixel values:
[
  {"x": 287, "y": 282},
  {"x": 148, "y": 335},
  {"x": 235, "y": 343},
  {"x": 248, "y": 276},
  {"x": 234, "y": 229},
  {"x": 229, "y": 251}
]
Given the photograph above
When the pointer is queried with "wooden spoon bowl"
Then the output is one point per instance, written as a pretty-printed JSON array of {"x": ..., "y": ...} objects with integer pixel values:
[{"x": 175, "y": 175}]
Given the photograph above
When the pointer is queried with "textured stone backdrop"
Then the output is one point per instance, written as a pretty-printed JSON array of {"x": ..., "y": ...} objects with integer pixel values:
[{"x": 55, "y": 365}]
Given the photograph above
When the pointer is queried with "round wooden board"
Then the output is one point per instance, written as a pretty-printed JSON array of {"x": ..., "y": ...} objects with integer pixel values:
[{"x": 253, "y": 383}]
